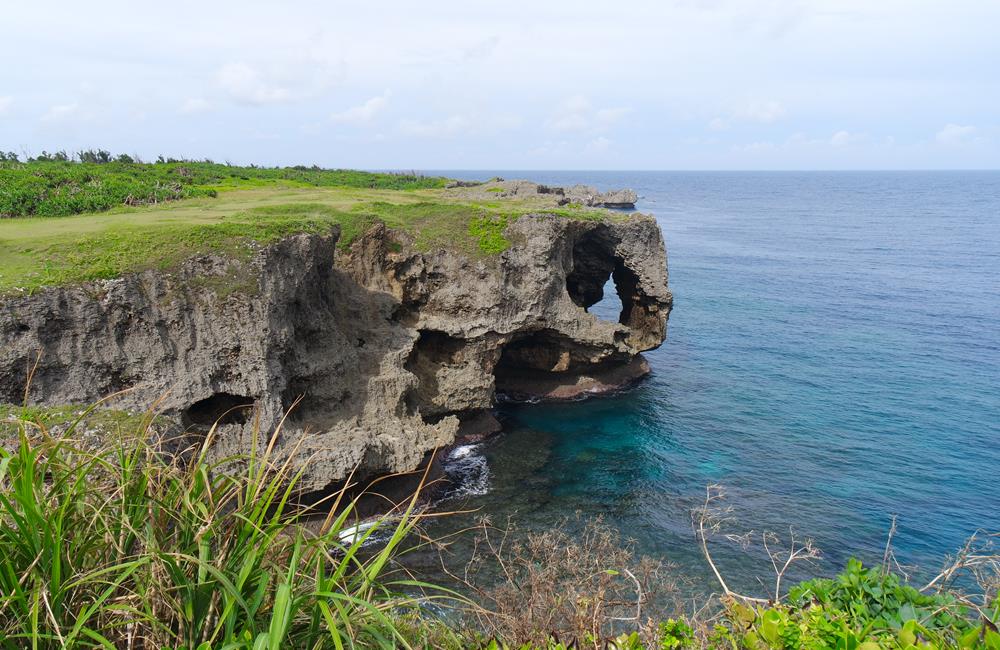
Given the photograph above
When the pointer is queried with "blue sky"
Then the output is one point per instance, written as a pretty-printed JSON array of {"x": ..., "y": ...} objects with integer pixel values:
[{"x": 673, "y": 84}]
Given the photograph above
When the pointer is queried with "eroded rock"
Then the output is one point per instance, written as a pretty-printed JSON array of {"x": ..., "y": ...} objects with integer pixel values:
[{"x": 382, "y": 354}]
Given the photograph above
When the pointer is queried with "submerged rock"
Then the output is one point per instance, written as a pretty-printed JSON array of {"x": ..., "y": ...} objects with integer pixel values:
[{"x": 383, "y": 353}]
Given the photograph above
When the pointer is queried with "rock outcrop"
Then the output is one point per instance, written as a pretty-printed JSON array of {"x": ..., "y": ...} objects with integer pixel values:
[
  {"x": 587, "y": 195},
  {"x": 578, "y": 194},
  {"x": 384, "y": 352}
]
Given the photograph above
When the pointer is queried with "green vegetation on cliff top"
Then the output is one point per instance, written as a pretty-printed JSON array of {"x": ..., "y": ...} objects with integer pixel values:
[{"x": 63, "y": 222}]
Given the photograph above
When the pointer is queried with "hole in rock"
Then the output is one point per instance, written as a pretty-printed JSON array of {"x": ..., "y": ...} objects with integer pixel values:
[
  {"x": 223, "y": 408},
  {"x": 600, "y": 282},
  {"x": 609, "y": 307},
  {"x": 627, "y": 287}
]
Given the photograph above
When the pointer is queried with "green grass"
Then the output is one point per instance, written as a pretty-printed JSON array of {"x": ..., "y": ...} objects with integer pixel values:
[
  {"x": 489, "y": 233},
  {"x": 37, "y": 251},
  {"x": 119, "y": 547},
  {"x": 48, "y": 188},
  {"x": 80, "y": 416},
  {"x": 226, "y": 210}
]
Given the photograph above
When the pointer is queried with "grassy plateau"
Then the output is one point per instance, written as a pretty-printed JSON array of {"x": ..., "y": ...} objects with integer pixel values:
[{"x": 68, "y": 222}]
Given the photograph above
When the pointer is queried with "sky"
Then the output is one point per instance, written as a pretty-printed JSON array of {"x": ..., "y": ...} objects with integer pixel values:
[{"x": 545, "y": 84}]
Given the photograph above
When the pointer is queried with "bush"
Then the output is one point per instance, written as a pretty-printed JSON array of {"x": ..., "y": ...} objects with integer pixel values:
[{"x": 861, "y": 608}]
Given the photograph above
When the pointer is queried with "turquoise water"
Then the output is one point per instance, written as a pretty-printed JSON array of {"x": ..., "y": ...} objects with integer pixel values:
[{"x": 833, "y": 359}]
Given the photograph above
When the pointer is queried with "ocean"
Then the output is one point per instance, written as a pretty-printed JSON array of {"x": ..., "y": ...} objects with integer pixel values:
[{"x": 832, "y": 360}]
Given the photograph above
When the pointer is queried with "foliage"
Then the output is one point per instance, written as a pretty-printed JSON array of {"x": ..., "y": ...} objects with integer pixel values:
[
  {"x": 488, "y": 231},
  {"x": 675, "y": 634},
  {"x": 52, "y": 185},
  {"x": 117, "y": 546},
  {"x": 879, "y": 601},
  {"x": 861, "y": 608},
  {"x": 110, "y": 543}
]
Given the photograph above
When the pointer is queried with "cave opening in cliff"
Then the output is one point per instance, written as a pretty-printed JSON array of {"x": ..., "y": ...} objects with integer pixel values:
[
  {"x": 600, "y": 282},
  {"x": 221, "y": 408},
  {"x": 532, "y": 359}
]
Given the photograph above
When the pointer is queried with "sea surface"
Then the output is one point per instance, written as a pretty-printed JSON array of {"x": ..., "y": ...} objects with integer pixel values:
[{"x": 832, "y": 360}]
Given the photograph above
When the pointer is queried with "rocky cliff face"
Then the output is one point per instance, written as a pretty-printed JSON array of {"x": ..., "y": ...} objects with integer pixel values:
[{"x": 385, "y": 353}]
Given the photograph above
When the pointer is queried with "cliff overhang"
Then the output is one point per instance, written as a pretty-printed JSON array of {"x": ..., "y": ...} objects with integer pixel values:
[{"x": 378, "y": 354}]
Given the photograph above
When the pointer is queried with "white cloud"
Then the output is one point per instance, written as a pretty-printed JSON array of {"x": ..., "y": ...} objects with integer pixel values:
[
  {"x": 452, "y": 66},
  {"x": 363, "y": 113},
  {"x": 194, "y": 105},
  {"x": 569, "y": 122},
  {"x": 599, "y": 144},
  {"x": 246, "y": 85},
  {"x": 61, "y": 113},
  {"x": 845, "y": 138},
  {"x": 549, "y": 149},
  {"x": 436, "y": 128},
  {"x": 612, "y": 115},
  {"x": 577, "y": 114},
  {"x": 460, "y": 123},
  {"x": 766, "y": 112},
  {"x": 954, "y": 134},
  {"x": 799, "y": 139},
  {"x": 841, "y": 139},
  {"x": 5, "y": 103}
]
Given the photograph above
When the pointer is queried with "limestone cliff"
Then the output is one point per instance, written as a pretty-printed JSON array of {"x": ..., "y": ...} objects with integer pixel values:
[{"x": 386, "y": 353}]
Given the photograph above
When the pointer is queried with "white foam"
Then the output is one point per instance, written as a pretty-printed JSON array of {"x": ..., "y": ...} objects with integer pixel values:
[
  {"x": 352, "y": 534},
  {"x": 468, "y": 471}
]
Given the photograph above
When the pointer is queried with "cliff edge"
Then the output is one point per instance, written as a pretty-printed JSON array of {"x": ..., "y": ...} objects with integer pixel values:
[{"x": 380, "y": 353}]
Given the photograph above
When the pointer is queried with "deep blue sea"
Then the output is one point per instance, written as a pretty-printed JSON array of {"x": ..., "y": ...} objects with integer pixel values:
[{"x": 833, "y": 359}]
